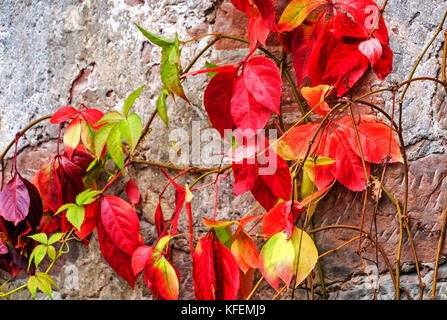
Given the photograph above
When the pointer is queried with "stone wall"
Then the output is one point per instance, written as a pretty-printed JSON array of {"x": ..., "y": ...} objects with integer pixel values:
[{"x": 89, "y": 51}]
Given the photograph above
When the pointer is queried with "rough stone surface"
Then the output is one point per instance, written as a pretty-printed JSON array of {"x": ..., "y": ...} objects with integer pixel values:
[{"x": 71, "y": 52}]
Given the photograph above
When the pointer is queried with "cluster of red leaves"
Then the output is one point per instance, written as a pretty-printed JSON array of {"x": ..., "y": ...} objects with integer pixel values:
[
  {"x": 332, "y": 41},
  {"x": 339, "y": 140}
]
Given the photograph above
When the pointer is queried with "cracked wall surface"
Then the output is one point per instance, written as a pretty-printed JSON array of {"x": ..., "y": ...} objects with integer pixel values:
[{"x": 90, "y": 52}]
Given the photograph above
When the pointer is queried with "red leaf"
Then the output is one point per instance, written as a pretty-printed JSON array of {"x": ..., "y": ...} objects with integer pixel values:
[
  {"x": 263, "y": 194},
  {"x": 280, "y": 218},
  {"x": 119, "y": 260},
  {"x": 267, "y": 11},
  {"x": 92, "y": 212},
  {"x": 49, "y": 223},
  {"x": 304, "y": 40},
  {"x": 15, "y": 200},
  {"x": 242, "y": 5},
  {"x": 203, "y": 270},
  {"x": 263, "y": 81},
  {"x": 120, "y": 222},
  {"x": 215, "y": 270},
  {"x": 247, "y": 114},
  {"x": 162, "y": 278},
  {"x": 315, "y": 97},
  {"x": 372, "y": 49},
  {"x": 257, "y": 31},
  {"x": 275, "y": 173},
  {"x": 244, "y": 251},
  {"x": 141, "y": 256},
  {"x": 132, "y": 192},
  {"x": 180, "y": 197},
  {"x": 375, "y": 139},
  {"x": 385, "y": 65},
  {"x": 217, "y": 100},
  {"x": 63, "y": 114},
  {"x": 244, "y": 177},
  {"x": 345, "y": 67},
  {"x": 159, "y": 220},
  {"x": 295, "y": 143},
  {"x": 227, "y": 272},
  {"x": 92, "y": 116},
  {"x": 348, "y": 166},
  {"x": 246, "y": 285},
  {"x": 72, "y": 136}
]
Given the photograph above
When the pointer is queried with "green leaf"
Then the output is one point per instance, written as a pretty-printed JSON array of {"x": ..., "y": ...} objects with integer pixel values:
[
  {"x": 45, "y": 286},
  {"x": 125, "y": 132},
  {"x": 161, "y": 107},
  {"x": 115, "y": 146},
  {"x": 92, "y": 165},
  {"x": 75, "y": 216},
  {"x": 40, "y": 237},
  {"x": 55, "y": 238},
  {"x": 170, "y": 70},
  {"x": 136, "y": 129},
  {"x": 48, "y": 278},
  {"x": 224, "y": 235},
  {"x": 110, "y": 117},
  {"x": 162, "y": 243},
  {"x": 51, "y": 252},
  {"x": 166, "y": 279},
  {"x": 64, "y": 207},
  {"x": 130, "y": 100},
  {"x": 210, "y": 65},
  {"x": 32, "y": 285},
  {"x": 87, "y": 196},
  {"x": 155, "y": 39},
  {"x": 283, "y": 257},
  {"x": 38, "y": 255},
  {"x": 266, "y": 260},
  {"x": 101, "y": 138},
  {"x": 308, "y": 254}
]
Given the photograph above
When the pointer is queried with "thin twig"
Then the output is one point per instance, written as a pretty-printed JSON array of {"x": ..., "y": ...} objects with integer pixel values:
[{"x": 438, "y": 254}]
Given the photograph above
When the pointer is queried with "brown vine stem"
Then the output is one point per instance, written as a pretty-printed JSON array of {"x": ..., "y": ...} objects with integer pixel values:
[
  {"x": 444, "y": 58},
  {"x": 319, "y": 266},
  {"x": 339, "y": 247},
  {"x": 438, "y": 255},
  {"x": 172, "y": 167},
  {"x": 370, "y": 237},
  {"x": 255, "y": 288},
  {"x": 406, "y": 219},
  {"x": 365, "y": 172},
  {"x": 21, "y": 133}
]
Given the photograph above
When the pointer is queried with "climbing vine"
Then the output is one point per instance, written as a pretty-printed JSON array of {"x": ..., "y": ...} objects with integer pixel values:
[{"x": 333, "y": 43}]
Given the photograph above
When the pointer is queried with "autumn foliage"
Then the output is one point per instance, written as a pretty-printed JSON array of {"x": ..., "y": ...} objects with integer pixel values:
[{"x": 333, "y": 44}]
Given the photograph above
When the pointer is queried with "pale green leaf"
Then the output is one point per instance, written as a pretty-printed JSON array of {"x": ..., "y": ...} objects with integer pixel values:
[
  {"x": 130, "y": 100},
  {"x": 55, "y": 238},
  {"x": 115, "y": 146},
  {"x": 156, "y": 39},
  {"x": 161, "y": 107},
  {"x": 44, "y": 285},
  {"x": 32, "y": 285},
  {"x": 125, "y": 132},
  {"x": 307, "y": 252},
  {"x": 40, "y": 237},
  {"x": 51, "y": 252},
  {"x": 110, "y": 117},
  {"x": 64, "y": 207},
  {"x": 87, "y": 196},
  {"x": 136, "y": 128},
  {"x": 75, "y": 216},
  {"x": 101, "y": 138}
]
